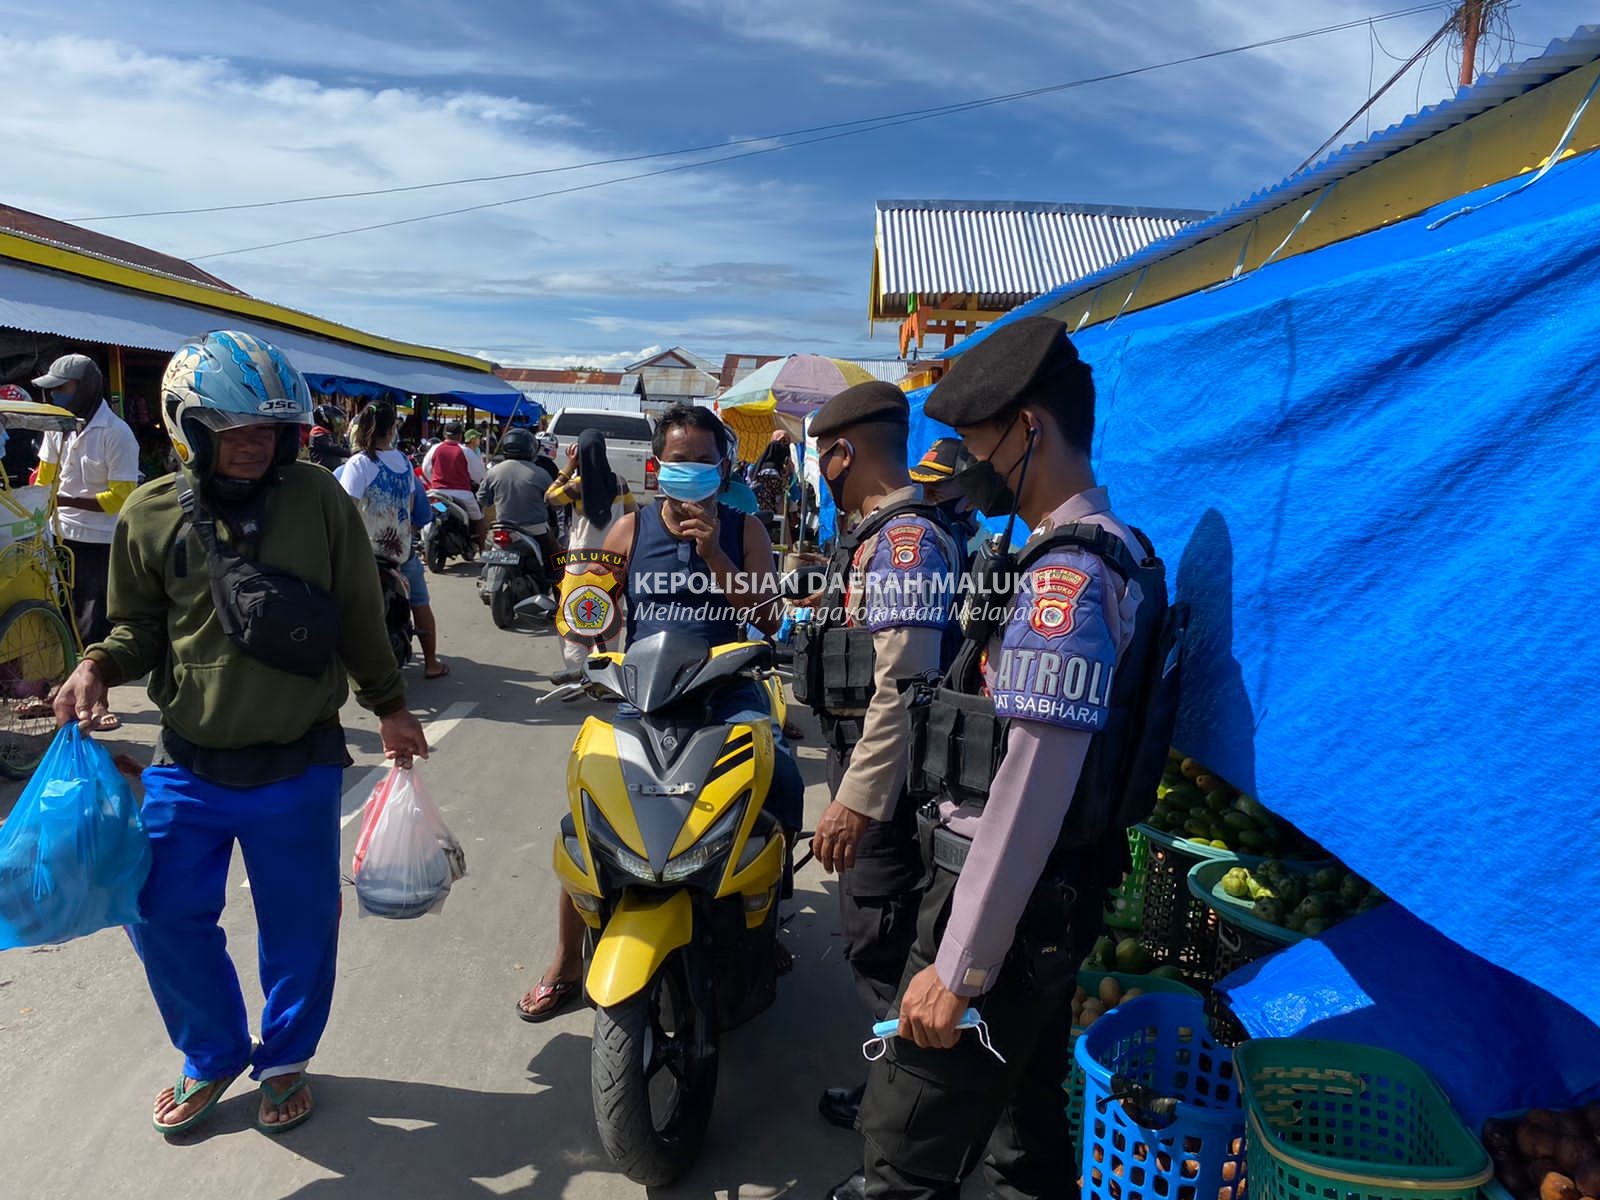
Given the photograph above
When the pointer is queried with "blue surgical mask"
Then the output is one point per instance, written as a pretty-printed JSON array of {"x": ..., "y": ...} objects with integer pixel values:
[{"x": 690, "y": 481}]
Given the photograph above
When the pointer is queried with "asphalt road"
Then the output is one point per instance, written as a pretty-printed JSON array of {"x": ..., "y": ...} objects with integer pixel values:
[{"x": 427, "y": 1084}]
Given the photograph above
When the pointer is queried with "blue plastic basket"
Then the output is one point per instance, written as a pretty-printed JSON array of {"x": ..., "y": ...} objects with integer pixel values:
[{"x": 1158, "y": 1047}]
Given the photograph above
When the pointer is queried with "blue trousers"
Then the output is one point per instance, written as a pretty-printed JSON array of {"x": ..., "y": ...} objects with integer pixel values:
[{"x": 289, "y": 835}]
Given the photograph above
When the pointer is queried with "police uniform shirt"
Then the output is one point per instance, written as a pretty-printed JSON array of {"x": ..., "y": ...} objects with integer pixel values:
[
  {"x": 902, "y": 586},
  {"x": 1049, "y": 671}
]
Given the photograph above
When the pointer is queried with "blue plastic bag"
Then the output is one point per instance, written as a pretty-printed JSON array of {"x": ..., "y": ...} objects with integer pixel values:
[{"x": 73, "y": 854}]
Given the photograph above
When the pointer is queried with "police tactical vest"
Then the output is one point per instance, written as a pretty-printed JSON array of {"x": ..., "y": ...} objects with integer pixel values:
[
  {"x": 834, "y": 662},
  {"x": 958, "y": 740}
]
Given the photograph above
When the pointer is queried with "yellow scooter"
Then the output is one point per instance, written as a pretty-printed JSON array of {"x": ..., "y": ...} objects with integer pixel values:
[{"x": 676, "y": 869}]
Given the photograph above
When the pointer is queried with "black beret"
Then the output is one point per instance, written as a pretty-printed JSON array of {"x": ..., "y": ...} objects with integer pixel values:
[
  {"x": 1020, "y": 362},
  {"x": 861, "y": 404}
]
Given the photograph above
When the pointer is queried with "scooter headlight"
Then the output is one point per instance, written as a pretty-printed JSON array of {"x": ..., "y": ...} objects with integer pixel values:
[
  {"x": 716, "y": 844},
  {"x": 604, "y": 839}
]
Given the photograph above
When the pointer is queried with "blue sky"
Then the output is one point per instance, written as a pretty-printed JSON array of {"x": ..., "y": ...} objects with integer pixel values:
[{"x": 116, "y": 106}]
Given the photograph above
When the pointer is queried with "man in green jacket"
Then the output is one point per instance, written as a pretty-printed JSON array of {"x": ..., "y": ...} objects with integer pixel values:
[{"x": 250, "y": 749}]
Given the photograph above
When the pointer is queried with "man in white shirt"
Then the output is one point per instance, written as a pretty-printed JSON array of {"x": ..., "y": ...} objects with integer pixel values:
[{"x": 94, "y": 470}]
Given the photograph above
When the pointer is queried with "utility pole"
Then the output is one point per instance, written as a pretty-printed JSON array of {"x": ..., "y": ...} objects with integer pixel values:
[{"x": 1472, "y": 15}]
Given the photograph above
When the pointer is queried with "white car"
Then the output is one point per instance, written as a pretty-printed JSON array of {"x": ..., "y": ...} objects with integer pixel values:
[{"x": 629, "y": 444}]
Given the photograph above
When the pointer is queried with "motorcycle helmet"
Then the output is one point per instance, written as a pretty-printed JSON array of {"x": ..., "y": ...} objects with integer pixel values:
[
  {"x": 518, "y": 444},
  {"x": 330, "y": 416},
  {"x": 222, "y": 381}
]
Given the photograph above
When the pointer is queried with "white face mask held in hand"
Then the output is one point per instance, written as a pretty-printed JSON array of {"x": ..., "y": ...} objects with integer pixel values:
[{"x": 877, "y": 1045}]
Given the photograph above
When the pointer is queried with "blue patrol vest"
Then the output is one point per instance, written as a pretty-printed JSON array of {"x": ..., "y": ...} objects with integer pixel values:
[{"x": 669, "y": 585}]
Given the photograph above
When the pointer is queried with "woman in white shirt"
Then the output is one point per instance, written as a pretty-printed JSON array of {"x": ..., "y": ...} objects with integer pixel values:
[{"x": 394, "y": 504}]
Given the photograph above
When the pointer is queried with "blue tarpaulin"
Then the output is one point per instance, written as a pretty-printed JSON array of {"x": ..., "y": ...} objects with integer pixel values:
[
  {"x": 1494, "y": 1042},
  {"x": 1372, "y": 470}
]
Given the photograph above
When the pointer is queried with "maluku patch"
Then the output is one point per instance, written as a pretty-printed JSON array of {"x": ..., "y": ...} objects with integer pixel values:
[
  {"x": 905, "y": 545},
  {"x": 1055, "y": 593}
]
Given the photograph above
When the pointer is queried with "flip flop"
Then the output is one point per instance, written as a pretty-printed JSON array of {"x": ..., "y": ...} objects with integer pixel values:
[
  {"x": 184, "y": 1090},
  {"x": 562, "y": 992},
  {"x": 444, "y": 669},
  {"x": 105, "y": 722},
  {"x": 278, "y": 1099}
]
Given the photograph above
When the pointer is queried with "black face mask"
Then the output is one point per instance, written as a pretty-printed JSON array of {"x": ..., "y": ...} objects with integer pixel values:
[
  {"x": 986, "y": 488},
  {"x": 835, "y": 486}
]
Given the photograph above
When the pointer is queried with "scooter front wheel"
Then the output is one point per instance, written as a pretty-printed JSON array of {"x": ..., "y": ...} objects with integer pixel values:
[{"x": 654, "y": 1077}]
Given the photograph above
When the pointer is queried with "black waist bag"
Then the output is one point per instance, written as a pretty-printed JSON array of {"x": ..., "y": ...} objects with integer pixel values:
[{"x": 272, "y": 615}]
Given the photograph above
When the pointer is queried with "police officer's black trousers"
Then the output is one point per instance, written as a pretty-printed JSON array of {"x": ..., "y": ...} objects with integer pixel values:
[
  {"x": 878, "y": 899},
  {"x": 930, "y": 1116}
]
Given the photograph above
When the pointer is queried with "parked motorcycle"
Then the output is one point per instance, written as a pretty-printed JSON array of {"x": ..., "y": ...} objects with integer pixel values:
[
  {"x": 448, "y": 535},
  {"x": 396, "y": 609},
  {"x": 676, "y": 868},
  {"x": 514, "y": 570}
]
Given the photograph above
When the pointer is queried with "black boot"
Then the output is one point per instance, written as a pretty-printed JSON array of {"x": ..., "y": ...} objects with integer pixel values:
[
  {"x": 854, "y": 1188},
  {"x": 841, "y": 1106}
]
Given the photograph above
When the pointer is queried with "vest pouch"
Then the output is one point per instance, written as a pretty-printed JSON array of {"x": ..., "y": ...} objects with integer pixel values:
[
  {"x": 957, "y": 742},
  {"x": 807, "y": 681},
  {"x": 848, "y": 658}
]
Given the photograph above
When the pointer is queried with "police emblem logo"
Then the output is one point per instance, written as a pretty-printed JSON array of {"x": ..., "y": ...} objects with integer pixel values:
[
  {"x": 905, "y": 545},
  {"x": 587, "y": 609},
  {"x": 1055, "y": 592}
]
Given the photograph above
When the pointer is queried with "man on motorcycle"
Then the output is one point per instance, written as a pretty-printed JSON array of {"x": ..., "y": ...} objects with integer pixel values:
[
  {"x": 515, "y": 488},
  {"x": 891, "y": 608},
  {"x": 693, "y": 566},
  {"x": 455, "y": 470}
]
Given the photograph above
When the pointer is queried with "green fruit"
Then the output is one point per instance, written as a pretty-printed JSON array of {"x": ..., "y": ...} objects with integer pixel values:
[
  {"x": 1291, "y": 889},
  {"x": 1296, "y": 922},
  {"x": 1133, "y": 957},
  {"x": 1272, "y": 869},
  {"x": 1166, "y": 971},
  {"x": 1259, "y": 890},
  {"x": 1327, "y": 880},
  {"x": 1312, "y": 906},
  {"x": 1236, "y": 883},
  {"x": 1218, "y": 844},
  {"x": 1353, "y": 891},
  {"x": 1314, "y": 926},
  {"x": 1373, "y": 899},
  {"x": 1219, "y": 802},
  {"x": 1251, "y": 807},
  {"x": 1270, "y": 909},
  {"x": 1249, "y": 839},
  {"x": 1237, "y": 820},
  {"x": 1104, "y": 954},
  {"x": 1197, "y": 828}
]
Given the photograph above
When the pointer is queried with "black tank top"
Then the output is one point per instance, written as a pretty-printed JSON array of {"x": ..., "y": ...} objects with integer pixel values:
[{"x": 670, "y": 587}]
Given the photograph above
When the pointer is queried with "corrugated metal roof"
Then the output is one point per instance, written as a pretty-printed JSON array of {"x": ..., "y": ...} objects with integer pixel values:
[
  {"x": 1004, "y": 252},
  {"x": 1562, "y": 56},
  {"x": 889, "y": 370},
  {"x": 89, "y": 241}
]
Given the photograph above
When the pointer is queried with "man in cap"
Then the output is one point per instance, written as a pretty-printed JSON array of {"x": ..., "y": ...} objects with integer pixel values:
[
  {"x": 95, "y": 469},
  {"x": 1022, "y": 850},
  {"x": 888, "y": 615},
  {"x": 937, "y": 472},
  {"x": 457, "y": 471}
]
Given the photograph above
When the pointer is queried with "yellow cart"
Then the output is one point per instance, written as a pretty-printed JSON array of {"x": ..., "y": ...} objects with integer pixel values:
[{"x": 39, "y": 644}]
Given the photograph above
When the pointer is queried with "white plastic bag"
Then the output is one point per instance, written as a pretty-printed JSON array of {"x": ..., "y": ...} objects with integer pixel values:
[{"x": 406, "y": 858}]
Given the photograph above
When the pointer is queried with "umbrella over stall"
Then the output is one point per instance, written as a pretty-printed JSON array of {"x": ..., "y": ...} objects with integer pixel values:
[{"x": 780, "y": 395}]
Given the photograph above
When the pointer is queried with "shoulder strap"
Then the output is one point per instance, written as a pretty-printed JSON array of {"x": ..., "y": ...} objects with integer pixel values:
[
  {"x": 1096, "y": 539},
  {"x": 881, "y": 517},
  {"x": 196, "y": 515}
]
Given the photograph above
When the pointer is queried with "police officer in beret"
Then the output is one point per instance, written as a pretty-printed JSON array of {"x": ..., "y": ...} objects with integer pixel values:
[
  {"x": 888, "y": 616},
  {"x": 1024, "y": 841}
]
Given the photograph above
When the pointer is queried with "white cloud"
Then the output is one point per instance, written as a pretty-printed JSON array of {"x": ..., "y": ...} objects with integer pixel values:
[{"x": 97, "y": 128}]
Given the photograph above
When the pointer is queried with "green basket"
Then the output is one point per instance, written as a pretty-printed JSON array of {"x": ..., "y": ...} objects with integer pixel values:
[
  {"x": 1338, "y": 1121},
  {"x": 1205, "y": 885},
  {"x": 1090, "y": 981},
  {"x": 1127, "y": 898}
]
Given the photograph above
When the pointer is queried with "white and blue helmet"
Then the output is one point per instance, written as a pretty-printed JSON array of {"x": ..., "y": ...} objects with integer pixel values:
[{"x": 224, "y": 380}]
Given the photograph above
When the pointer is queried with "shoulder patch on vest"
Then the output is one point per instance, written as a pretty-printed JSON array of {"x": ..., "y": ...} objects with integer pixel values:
[
  {"x": 905, "y": 544},
  {"x": 1055, "y": 596}
]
